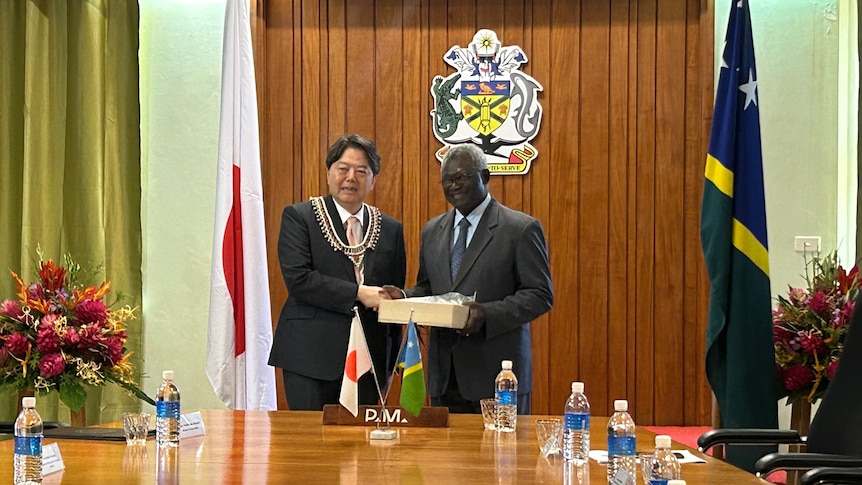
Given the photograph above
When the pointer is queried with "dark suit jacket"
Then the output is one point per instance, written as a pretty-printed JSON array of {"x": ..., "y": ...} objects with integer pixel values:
[
  {"x": 506, "y": 265},
  {"x": 314, "y": 326}
]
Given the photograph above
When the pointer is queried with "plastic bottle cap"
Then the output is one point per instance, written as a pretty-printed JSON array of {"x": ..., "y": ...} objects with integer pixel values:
[
  {"x": 662, "y": 441},
  {"x": 621, "y": 405},
  {"x": 577, "y": 387},
  {"x": 507, "y": 364},
  {"x": 676, "y": 482},
  {"x": 168, "y": 375},
  {"x": 28, "y": 402}
]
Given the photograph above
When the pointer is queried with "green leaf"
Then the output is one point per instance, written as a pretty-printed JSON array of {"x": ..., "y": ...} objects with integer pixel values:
[
  {"x": 132, "y": 389},
  {"x": 72, "y": 394}
]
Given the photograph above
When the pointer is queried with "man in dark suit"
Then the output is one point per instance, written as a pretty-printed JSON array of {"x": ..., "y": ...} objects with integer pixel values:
[
  {"x": 327, "y": 274},
  {"x": 505, "y": 264}
]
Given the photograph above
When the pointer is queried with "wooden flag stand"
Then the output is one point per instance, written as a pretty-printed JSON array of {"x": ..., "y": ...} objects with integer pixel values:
[{"x": 429, "y": 417}]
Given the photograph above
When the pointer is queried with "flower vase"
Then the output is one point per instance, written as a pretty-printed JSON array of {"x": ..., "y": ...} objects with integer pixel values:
[
  {"x": 78, "y": 418},
  {"x": 800, "y": 419},
  {"x": 800, "y": 416}
]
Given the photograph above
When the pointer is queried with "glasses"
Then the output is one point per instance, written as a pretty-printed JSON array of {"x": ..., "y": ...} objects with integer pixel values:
[{"x": 460, "y": 179}]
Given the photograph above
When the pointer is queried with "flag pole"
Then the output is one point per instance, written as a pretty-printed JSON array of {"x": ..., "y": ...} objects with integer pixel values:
[
  {"x": 385, "y": 395},
  {"x": 386, "y": 433}
]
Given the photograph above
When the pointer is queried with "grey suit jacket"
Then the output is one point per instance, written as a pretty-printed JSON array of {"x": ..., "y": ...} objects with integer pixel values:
[
  {"x": 314, "y": 325},
  {"x": 506, "y": 265}
]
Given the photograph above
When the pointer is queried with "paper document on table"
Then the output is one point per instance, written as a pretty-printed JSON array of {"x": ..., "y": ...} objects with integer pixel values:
[{"x": 682, "y": 456}]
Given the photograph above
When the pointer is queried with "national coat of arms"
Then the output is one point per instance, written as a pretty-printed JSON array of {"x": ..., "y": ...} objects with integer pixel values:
[{"x": 489, "y": 102}]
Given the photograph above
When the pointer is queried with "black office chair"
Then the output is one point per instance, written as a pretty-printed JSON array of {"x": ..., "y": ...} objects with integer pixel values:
[
  {"x": 834, "y": 436},
  {"x": 832, "y": 476}
]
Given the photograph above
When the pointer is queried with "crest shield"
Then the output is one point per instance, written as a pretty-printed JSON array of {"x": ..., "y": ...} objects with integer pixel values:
[
  {"x": 488, "y": 102},
  {"x": 485, "y": 105}
]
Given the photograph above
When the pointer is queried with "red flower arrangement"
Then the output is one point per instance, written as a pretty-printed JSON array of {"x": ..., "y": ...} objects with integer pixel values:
[
  {"x": 809, "y": 326},
  {"x": 60, "y": 335}
]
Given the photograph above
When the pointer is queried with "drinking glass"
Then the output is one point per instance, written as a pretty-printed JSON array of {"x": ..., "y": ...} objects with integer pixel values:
[{"x": 549, "y": 433}]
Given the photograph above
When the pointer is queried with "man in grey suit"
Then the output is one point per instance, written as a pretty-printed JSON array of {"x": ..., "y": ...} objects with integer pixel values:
[
  {"x": 503, "y": 260},
  {"x": 327, "y": 274}
]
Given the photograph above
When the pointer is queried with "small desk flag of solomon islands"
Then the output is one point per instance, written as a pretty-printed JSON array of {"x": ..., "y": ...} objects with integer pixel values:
[{"x": 413, "y": 380}]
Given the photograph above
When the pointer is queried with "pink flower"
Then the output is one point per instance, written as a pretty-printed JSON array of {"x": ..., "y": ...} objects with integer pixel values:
[
  {"x": 35, "y": 292},
  {"x": 51, "y": 365},
  {"x": 818, "y": 302},
  {"x": 797, "y": 295},
  {"x": 91, "y": 311},
  {"x": 89, "y": 336},
  {"x": 114, "y": 344},
  {"x": 47, "y": 340},
  {"x": 811, "y": 343},
  {"x": 830, "y": 369},
  {"x": 72, "y": 337},
  {"x": 17, "y": 344},
  {"x": 781, "y": 335},
  {"x": 842, "y": 316},
  {"x": 797, "y": 377},
  {"x": 11, "y": 309}
]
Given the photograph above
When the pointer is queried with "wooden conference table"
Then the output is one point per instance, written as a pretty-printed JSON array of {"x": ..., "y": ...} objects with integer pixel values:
[{"x": 294, "y": 447}]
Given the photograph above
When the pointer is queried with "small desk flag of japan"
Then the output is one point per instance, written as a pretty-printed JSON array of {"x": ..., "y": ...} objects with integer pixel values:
[{"x": 358, "y": 363}]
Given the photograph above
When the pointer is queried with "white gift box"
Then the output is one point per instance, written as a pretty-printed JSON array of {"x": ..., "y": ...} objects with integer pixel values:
[{"x": 435, "y": 314}]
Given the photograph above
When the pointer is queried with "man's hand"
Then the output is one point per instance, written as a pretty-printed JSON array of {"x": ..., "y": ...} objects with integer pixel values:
[
  {"x": 369, "y": 296},
  {"x": 475, "y": 319},
  {"x": 389, "y": 292}
]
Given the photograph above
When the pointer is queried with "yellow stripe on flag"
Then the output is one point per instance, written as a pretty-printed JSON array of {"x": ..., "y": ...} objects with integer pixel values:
[
  {"x": 413, "y": 368},
  {"x": 719, "y": 175},
  {"x": 744, "y": 240}
]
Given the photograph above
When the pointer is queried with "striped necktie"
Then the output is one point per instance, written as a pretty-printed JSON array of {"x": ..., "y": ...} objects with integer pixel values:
[
  {"x": 354, "y": 238},
  {"x": 459, "y": 247}
]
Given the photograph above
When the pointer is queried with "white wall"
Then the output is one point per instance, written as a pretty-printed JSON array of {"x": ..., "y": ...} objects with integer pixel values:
[{"x": 180, "y": 56}]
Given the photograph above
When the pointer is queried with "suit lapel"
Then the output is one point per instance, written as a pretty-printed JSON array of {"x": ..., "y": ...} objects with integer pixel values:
[{"x": 480, "y": 240}]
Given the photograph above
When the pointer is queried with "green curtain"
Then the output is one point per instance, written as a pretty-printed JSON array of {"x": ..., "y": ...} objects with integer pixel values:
[{"x": 70, "y": 161}]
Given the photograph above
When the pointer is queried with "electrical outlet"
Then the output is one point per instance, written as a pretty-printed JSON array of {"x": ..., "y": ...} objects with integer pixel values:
[{"x": 810, "y": 244}]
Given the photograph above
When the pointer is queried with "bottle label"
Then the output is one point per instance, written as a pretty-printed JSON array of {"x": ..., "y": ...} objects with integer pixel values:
[
  {"x": 621, "y": 445},
  {"x": 657, "y": 481},
  {"x": 28, "y": 445},
  {"x": 578, "y": 421},
  {"x": 168, "y": 409},
  {"x": 507, "y": 398}
]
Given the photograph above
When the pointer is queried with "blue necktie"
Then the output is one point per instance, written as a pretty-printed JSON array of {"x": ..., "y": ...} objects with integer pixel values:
[{"x": 459, "y": 247}]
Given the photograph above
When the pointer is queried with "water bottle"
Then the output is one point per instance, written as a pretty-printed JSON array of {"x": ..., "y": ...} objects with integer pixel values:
[
  {"x": 622, "y": 462},
  {"x": 663, "y": 465},
  {"x": 167, "y": 465},
  {"x": 576, "y": 432},
  {"x": 28, "y": 444},
  {"x": 168, "y": 411},
  {"x": 506, "y": 395}
]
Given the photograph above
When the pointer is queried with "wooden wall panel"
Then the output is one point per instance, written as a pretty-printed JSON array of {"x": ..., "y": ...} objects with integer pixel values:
[{"x": 617, "y": 184}]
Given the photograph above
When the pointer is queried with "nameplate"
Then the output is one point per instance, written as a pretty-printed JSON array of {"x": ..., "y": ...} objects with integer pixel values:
[
  {"x": 51, "y": 459},
  {"x": 192, "y": 424},
  {"x": 429, "y": 417}
]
